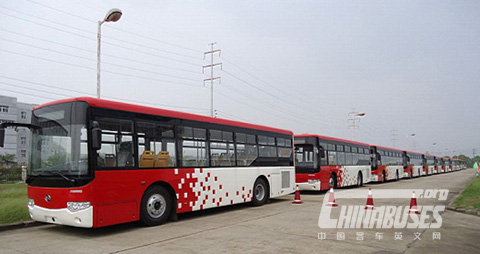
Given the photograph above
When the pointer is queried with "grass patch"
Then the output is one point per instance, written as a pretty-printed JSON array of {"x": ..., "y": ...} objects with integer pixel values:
[
  {"x": 470, "y": 197},
  {"x": 13, "y": 203}
]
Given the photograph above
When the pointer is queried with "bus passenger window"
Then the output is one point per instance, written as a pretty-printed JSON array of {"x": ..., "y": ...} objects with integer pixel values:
[{"x": 117, "y": 143}]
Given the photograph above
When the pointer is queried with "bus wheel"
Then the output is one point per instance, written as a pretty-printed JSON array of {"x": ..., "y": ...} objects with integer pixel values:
[
  {"x": 156, "y": 206},
  {"x": 260, "y": 192},
  {"x": 332, "y": 182},
  {"x": 359, "y": 180}
]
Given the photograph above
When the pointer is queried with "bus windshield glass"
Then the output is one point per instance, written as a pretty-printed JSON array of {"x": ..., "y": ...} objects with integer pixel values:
[
  {"x": 59, "y": 147},
  {"x": 306, "y": 159}
]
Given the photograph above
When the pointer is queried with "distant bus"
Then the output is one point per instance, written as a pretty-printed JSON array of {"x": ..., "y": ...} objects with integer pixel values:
[
  {"x": 96, "y": 163},
  {"x": 429, "y": 164},
  {"x": 436, "y": 165},
  {"x": 413, "y": 164},
  {"x": 448, "y": 164},
  {"x": 441, "y": 165},
  {"x": 325, "y": 162},
  {"x": 387, "y": 164}
]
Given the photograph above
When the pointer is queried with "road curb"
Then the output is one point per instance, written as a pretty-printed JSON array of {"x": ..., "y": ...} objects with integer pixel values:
[{"x": 23, "y": 224}]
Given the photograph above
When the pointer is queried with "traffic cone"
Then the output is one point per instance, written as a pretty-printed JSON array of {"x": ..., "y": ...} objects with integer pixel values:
[
  {"x": 413, "y": 205},
  {"x": 369, "y": 205},
  {"x": 331, "y": 199},
  {"x": 297, "y": 200}
]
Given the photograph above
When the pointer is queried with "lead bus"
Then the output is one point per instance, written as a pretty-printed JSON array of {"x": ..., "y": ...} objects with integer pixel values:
[
  {"x": 96, "y": 163},
  {"x": 325, "y": 162}
]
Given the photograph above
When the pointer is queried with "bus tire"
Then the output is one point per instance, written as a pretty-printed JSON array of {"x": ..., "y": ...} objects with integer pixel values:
[
  {"x": 156, "y": 206},
  {"x": 260, "y": 192},
  {"x": 332, "y": 183},
  {"x": 359, "y": 179}
]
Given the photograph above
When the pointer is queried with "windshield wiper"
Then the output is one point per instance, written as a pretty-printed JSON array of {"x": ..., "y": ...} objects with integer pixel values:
[{"x": 62, "y": 175}]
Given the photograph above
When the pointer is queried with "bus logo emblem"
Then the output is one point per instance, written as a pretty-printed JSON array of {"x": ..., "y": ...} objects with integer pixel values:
[{"x": 48, "y": 198}]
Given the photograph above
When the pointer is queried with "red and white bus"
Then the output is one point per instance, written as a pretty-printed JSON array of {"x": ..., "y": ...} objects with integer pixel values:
[
  {"x": 325, "y": 162},
  {"x": 448, "y": 164},
  {"x": 429, "y": 164},
  {"x": 413, "y": 164},
  {"x": 96, "y": 163},
  {"x": 387, "y": 164},
  {"x": 441, "y": 165}
]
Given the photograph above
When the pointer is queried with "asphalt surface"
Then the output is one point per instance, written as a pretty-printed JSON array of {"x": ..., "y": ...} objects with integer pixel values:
[{"x": 277, "y": 227}]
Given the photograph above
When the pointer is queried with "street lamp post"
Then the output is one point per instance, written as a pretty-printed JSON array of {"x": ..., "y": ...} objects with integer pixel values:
[{"x": 113, "y": 15}]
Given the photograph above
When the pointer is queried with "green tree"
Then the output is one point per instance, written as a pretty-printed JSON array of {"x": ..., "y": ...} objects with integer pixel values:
[
  {"x": 56, "y": 159},
  {"x": 7, "y": 160},
  {"x": 467, "y": 159}
]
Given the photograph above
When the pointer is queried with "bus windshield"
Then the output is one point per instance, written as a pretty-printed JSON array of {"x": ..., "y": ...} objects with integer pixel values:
[
  {"x": 306, "y": 159},
  {"x": 59, "y": 147}
]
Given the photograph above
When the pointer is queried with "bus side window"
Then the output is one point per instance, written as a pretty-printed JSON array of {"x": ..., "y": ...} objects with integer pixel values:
[{"x": 117, "y": 143}]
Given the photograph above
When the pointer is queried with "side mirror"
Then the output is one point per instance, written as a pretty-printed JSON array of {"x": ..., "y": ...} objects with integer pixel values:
[
  {"x": 96, "y": 136},
  {"x": 2, "y": 137},
  {"x": 322, "y": 152}
]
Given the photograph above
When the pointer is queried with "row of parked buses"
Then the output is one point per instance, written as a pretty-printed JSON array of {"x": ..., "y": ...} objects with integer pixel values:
[
  {"x": 96, "y": 163},
  {"x": 325, "y": 162}
]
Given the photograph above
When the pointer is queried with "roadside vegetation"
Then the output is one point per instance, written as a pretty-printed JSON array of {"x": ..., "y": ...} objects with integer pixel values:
[{"x": 470, "y": 197}]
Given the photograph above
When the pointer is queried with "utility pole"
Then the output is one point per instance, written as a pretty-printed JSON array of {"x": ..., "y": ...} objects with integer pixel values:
[
  {"x": 393, "y": 136},
  {"x": 473, "y": 153},
  {"x": 211, "y": 79},
  {"x": 353, "y": 121}
]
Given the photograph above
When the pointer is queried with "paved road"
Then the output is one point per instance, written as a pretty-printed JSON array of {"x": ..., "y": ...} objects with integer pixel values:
[{"x": 278, "y": 227}]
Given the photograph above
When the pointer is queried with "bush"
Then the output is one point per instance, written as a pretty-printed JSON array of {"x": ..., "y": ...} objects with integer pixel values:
[{"x": 10, "y": 174}]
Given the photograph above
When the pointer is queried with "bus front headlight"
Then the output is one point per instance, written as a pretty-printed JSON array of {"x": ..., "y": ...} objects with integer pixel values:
[{"x": 77, "y": 206}]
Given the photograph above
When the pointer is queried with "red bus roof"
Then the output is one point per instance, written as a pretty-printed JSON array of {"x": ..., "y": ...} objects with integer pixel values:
[
  {"x": 414, "y": 153},
  {"x": 332, "y": 139},
  {"x": 388, "y": 148},
  {"x": 100, "y": 103}
]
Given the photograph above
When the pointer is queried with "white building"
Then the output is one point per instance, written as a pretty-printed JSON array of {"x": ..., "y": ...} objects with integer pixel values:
[{"x": 17, "y": 143}]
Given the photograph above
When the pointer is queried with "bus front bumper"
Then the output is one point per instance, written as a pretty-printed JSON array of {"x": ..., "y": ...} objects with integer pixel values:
[
  {"x": 311, "y": 185},
  {"x": 83, "y": 218}
]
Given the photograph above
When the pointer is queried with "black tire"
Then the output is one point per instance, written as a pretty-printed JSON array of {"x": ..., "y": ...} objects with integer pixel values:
[
  {"x": 156, "y": 206},
  {"x": 359, "y": 179},
  {"x": 332, "y": 183},
  {"x": 260, "y": 192}
]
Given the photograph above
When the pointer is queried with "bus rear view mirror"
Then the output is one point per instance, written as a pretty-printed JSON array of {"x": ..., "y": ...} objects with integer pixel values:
[
  {"x": 322, "y": 152},
  {"x": 2, "y": 137},
  {"x": 96, "y": 136}
]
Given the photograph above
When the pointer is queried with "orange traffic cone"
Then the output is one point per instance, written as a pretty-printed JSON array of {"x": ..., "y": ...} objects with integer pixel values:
[
  {"x": 413, "y": 205},
  {"x": 297, "y": 200},
  {"x": 369, "y": 205},
  {"x": 331, "y": 199}
]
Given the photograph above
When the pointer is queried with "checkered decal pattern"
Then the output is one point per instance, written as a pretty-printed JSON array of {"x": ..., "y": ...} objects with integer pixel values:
[{"x": 198, "y": 189}]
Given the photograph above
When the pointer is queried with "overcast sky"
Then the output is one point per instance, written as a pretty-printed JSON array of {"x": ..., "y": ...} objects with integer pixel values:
[{"x": 411, "y": 66}]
